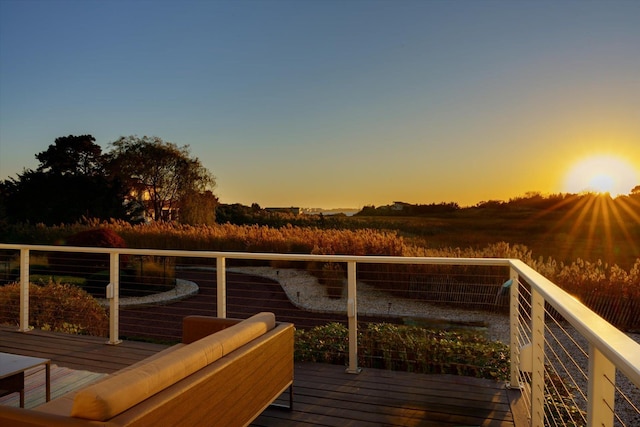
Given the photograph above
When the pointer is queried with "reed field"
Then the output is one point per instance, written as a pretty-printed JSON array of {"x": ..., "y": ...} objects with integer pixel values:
[{"x": 595, "y": 260}]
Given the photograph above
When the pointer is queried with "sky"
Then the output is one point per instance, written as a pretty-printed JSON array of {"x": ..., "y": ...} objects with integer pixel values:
[{"x": 336, "y": 103}]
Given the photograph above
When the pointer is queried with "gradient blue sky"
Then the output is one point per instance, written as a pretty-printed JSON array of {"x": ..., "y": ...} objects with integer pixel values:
[{"x": 334, "y": 103}]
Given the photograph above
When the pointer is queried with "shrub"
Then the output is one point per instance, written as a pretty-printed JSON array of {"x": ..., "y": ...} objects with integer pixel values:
[
  {"x": 407, "y": 348},
  {"x": 326, "y": 344},
  {"x": 100, "y": 237},
  {"x": 57, "y": 307},
  {"x": 43, "y": 279},
  {"x": 143, "y": 276},
  {"x": 146, "y": 275},
  {"x": 332, "y": 276}
]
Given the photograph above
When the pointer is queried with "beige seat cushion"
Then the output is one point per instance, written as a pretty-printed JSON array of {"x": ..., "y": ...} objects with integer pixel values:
[
  {"x": 238, "y": 335},
  {"x": 121, "y": 391},
  {"x": 63, "y": 404}
]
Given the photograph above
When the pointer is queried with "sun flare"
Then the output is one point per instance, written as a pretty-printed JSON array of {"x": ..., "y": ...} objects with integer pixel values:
[{"x": 601, "y": 174}]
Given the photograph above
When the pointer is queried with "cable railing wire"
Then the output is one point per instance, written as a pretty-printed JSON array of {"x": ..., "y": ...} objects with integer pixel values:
[{"x": 566, "y": 376}]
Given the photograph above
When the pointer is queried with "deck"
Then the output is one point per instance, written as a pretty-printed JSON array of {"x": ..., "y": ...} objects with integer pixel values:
[{"x": 324, "y": 395}]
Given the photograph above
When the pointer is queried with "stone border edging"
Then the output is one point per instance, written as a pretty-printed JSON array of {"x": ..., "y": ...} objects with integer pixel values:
[{"x": 182, "y": 290}]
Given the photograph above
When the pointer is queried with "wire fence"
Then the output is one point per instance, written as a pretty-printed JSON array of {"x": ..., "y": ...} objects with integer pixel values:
[{"x": 308, "y": 294}]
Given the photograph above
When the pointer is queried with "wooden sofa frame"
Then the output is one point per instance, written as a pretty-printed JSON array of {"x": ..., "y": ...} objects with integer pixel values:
[{"x": 231, "y": 391}]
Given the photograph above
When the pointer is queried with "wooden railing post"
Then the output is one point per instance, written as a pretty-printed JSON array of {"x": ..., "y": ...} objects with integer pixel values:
[
  {"x": 601, "y": 389},
  {"x": 24, "y": 291},
  {"x": 221, "y": 287},
  {"x": 537, "y": 374},
  {"x": 352, "y": 316},
  {"x": 113, "y": 294}
]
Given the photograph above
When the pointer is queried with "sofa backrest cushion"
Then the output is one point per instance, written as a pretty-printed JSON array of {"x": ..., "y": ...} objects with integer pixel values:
[
  {"x": 104, "y": 400},
  {"x": 238, "y": 335},
  {"x": 62, "y": 405}
]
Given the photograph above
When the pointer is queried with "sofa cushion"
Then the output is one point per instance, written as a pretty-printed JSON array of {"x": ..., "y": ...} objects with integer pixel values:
[
  {"x": 238, "y": 335},
  {"x": 121, "y": 391},
  {"x": 63, "y": 404}
]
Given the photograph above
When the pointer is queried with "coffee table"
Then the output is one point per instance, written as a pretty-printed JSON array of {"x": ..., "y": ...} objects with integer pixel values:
[{"x": 12, "y": 367}]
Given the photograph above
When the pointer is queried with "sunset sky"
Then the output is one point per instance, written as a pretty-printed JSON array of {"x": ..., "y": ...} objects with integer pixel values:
[{"x": 337, "y": 103}]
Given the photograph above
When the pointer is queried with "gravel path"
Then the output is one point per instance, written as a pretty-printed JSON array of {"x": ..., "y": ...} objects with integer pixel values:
[
  {"x": 247, "y": 294},
  {"x": 304, "y": 292}
]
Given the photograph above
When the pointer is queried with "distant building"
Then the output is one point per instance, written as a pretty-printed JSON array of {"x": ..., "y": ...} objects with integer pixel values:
[
  {"x": 169, "y": 211},
  {"x": 399, "y": 206},
  {"x": 291, "y": 210}
]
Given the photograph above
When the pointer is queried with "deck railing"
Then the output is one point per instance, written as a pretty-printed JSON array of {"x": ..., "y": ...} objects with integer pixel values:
[{"x": 572, "y": 367}]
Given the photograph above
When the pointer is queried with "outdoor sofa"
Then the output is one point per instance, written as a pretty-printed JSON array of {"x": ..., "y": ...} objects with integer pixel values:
[{"x": 225, "y": 373}]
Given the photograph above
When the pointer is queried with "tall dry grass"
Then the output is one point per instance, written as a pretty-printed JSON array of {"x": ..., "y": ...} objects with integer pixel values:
[{"x": 608, "y": 289}]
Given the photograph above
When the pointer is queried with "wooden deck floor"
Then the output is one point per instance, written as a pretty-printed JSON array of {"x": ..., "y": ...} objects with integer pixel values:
[{"x": 324, "y": 395}]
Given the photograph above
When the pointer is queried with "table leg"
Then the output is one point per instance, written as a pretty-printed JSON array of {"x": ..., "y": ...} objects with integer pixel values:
[
  {"x": 14, "y": 384},
  {"x": 19, "y": 383},
  {"x": 48, "y": 380}
]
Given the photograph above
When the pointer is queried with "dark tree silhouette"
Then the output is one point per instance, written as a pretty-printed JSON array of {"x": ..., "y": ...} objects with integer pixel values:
[
  {"x": 69, "y": 184},
  {"x": 72, "y": 155}
]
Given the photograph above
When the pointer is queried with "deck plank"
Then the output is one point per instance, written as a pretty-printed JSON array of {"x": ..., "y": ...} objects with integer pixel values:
[
  {"x": 391, "y": 398},
  {"x": 76, "y": 351},
  {"x": 324, "y": 395}
]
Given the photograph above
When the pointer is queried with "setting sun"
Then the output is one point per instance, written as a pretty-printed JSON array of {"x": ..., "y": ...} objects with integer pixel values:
[{"x": 601, "y": 174}]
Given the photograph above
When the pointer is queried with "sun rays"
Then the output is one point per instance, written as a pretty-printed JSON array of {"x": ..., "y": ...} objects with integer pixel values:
[{"x": 596, "y": 221}]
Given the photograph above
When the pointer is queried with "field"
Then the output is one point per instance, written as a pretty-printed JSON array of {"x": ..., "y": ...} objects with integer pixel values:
[
  {"x": 562, "y": 237},
  {"x": 565, "y": 227}
]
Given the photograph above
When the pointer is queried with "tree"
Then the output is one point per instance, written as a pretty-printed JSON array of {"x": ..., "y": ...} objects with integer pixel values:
[
  {"x": 72, "y": 155},
  {"x": 158, "y": 174},
  {"x": 47, "y": 198},
  {"x": 198, "y": 208},
  {"x": 69, "y": 184}
]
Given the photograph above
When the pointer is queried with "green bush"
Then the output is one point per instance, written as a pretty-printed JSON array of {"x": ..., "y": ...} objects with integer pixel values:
[
  {"x": 56, "y": 307},
  {"x": 407, "y": 348},
  {"x": 325, "y": 344}
]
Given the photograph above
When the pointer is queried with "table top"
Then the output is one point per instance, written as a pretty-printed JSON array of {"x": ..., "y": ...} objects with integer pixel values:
[{"x": 11, "y": 364}]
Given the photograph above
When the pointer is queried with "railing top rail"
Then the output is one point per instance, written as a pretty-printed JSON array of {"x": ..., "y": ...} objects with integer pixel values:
[
  {"x": 613, "y": 343},
  {"x": 373, "y": 259}
]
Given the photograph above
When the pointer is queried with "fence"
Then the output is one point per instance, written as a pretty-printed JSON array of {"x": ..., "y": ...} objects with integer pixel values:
[{"x": 573, "y": 367}]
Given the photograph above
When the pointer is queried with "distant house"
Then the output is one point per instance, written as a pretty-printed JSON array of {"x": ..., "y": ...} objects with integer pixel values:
[
  {"x": 291, "y": 210},
  {"x": 399, "y": 206},
  {"x": 143, "y": 199}
]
